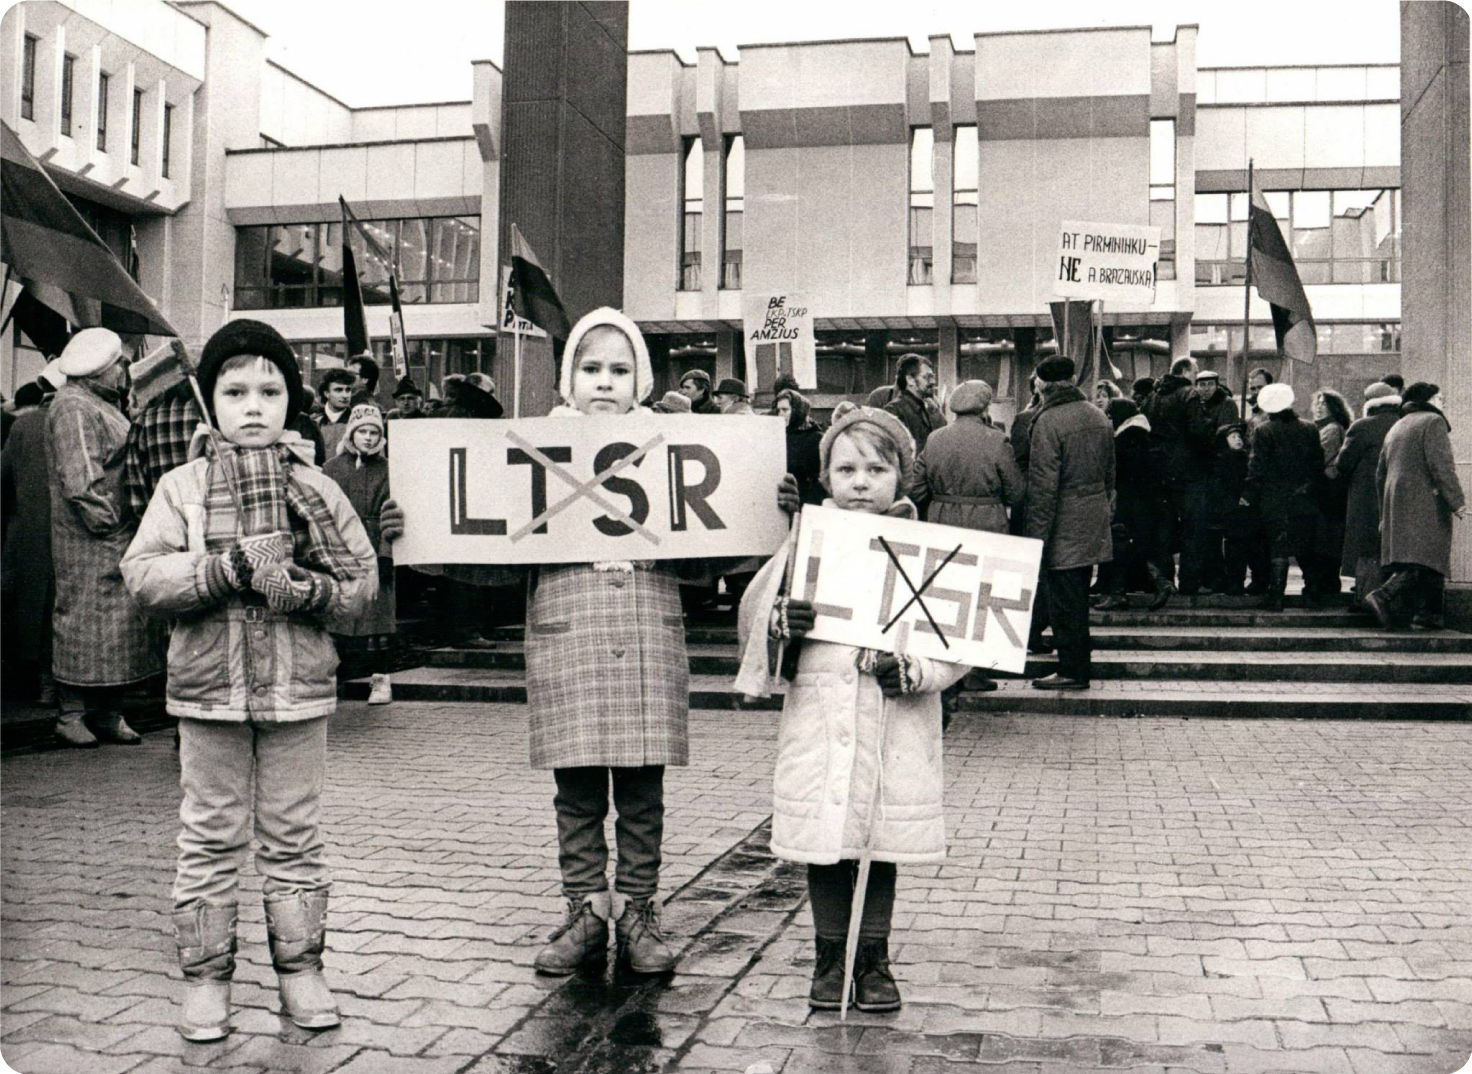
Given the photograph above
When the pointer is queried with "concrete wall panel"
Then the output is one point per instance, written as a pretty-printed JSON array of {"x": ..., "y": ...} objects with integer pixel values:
[{"x": 650, "y": 235}]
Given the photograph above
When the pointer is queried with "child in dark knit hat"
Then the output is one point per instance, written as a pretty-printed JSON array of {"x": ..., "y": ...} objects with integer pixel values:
[
  {"x": 361, "y": 468},
  {"x": 252, "y": 551}
]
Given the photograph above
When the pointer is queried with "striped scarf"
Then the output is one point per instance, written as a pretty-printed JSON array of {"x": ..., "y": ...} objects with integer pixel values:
[{"x": 274, "y": 500}]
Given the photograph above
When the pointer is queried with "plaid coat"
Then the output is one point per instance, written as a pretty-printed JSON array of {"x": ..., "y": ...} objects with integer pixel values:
[
  {"x": 608, "y": 679},
  {"x": 102, "y": 636}
]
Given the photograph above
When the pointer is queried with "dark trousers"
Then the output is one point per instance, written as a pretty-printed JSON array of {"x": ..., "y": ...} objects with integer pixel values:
[
  {"x": 831, "y": 893},
  {"x": 1412, "y": 590},
  {"x": 1198, "y": 564},
  {"x": 75, "y": 702},
  {"x": 582, "y": 849},
  {"x": 1067, "y": 595}
]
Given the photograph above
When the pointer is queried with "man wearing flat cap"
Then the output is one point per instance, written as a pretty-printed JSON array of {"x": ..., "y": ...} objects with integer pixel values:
[
  {"x": 103, "y": 642},
  {"x": 1070, "y": 493}
]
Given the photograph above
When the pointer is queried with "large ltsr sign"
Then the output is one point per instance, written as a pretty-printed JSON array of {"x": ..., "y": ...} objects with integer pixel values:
[
  {"x": 566, "y": 490},
  {"x": 1113, "y": 262}
]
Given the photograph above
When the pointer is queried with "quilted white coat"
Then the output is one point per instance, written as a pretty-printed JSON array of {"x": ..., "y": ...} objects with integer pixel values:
[{"x": 854, "y": 767}]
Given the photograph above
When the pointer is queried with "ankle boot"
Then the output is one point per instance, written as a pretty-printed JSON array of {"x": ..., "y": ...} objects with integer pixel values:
[
  {"x": 205, "y": 936},
  {"x": 640, "y": 942},
  {"x": 1273, "y": 601},
  {"x": 296, "y": 931},
  {"x": 874, "y": 984},
  {"x": 113, "y": 728},
  {"x": 1163, "y": 589},
  {"x": 71, "y": 731},
  {"x": 581, "y": 939},
  {"x": 826, "y": 993}
]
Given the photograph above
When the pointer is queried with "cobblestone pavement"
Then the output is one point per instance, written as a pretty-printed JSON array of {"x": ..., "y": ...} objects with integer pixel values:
[{"x": 1145, "y": 895}]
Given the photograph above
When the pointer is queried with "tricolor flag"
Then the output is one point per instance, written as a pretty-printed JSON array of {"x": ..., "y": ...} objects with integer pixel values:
[
  {"x": 532, "y": 293},
  {"x": 396, "y": 341},
  {"x": 58, "y": 258},
  {"x": 1273, "y": 273},
  {"x": 354, "y": 322}
]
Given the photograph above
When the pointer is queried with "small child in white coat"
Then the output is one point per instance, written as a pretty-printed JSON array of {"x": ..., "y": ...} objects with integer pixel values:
[{"x": 859, "y": 746}]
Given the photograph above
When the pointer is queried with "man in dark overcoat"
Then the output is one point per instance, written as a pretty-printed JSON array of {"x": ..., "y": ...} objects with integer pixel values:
[
  {"x": 1284, "y": 471},
  {"x": 1354, "y": 469}
]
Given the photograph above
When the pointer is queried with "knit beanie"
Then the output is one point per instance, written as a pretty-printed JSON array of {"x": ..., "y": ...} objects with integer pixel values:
[
  {"x": 883, "y": 422},
  {"x": 361, "y": 416},
  {"x": 606, "y": 316},
  {"x": 250, "y": 337}
]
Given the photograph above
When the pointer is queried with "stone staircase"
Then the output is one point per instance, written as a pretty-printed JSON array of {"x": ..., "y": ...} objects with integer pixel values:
[{"x": 1208, "y": 656}]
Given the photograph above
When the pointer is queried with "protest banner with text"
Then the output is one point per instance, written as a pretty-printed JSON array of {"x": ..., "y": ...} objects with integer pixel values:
[
  {"x": 565, "y": 490},
  {"x": 964, "y": 596},
  {"x": 1113, "y": 262},
  {"x": 777, "y": 327}
]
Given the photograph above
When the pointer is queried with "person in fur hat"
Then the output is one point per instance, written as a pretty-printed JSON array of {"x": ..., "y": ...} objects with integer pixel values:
[
  {"x": 253, "y": 551},
  {"x": 859, "y": 745},
  {"x": 361, "y": 469}
]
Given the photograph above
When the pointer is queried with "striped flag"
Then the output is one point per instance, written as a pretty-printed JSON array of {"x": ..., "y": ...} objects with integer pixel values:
[
  {"x": 398, "y": 345},
  {"x": 532, "y": 293},
  {"x": 1276, "y": 278}
]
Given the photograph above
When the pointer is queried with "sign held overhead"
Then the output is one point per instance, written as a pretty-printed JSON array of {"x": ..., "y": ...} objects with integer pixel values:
[{"x": 1112, "y": 262}]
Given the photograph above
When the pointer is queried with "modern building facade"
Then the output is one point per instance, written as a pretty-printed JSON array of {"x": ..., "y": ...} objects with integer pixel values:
[{"x": 912, "y": 198}]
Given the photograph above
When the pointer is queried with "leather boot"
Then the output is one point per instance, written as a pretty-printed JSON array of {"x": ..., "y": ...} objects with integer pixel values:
[
  {"x": 826, "y": 994},
  {"x": 1273, "y": 602},
  {"x": 581, "y": 939},
  {"x": 296, "y": 931},
  {"x": 641, "y": 944},
  {"x": 874, "y": 984},
  {"x": 205, "y": 936},
  {"x": 1163, "y": 588},
  {"x": 111, "y": 727}
]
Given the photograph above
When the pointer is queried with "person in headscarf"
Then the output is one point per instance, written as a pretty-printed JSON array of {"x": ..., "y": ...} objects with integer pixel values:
[{"x": 803, "y": 437}]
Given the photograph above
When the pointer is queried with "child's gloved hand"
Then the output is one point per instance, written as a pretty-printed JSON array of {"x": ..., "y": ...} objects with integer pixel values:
[
  {"x": 896, "y": 674},
  {"x": 787, "y": 495},
  {"x": 791, "y": 619},
  {"x": 391, "y": 521},
  {"x": 250, "y": 554},
  {"x": 289, "y": 588}
]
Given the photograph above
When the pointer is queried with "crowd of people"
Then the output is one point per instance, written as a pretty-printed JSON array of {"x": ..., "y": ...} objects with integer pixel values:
[{"x": 238, "y": 549}]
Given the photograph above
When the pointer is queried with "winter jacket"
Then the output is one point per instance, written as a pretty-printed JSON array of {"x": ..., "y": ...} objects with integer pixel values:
[
  {"x": 967, "y": 476},
  {"x": 804, "y": 461},
  {"x": 1228, "y": 477},
  {"x": 843, "y": 747},
  {"x": 1355, "y": 468},
  {"x": 239, "y": 661},
  {"x": 1178, "y": 423},
  {"x": 102, "y": 638},
  {"x": 1218, "y": 409},
  {"x": 917, "y": 415},
  {"x": 1285, "y": 468},
  {"x": 1138, "y": 488},
  {"x": 366, "y": 488},
  {"x": 1070, "y": 481},
  {"x": 1417, "y": 480},
  {"x": 27, "y": 585}
]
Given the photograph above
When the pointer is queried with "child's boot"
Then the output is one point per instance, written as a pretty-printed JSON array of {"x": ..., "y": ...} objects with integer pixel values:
[
  {"x": 874, "y": 984},
  {"x": 581, "y": 939},
  {"x": 206, "y": 938},
  {"x": 380, "y": 690},
  {"x": 826, "y": 993},
  {"x": 296, "y": 930},
  {"x": 640, "y": 942}
]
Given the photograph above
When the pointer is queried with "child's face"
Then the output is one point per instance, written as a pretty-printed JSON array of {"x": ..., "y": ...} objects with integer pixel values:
[
  {"x": 366, "y": 438},
  {"x": 1234, "y": 441},
  {"x": 859, "y": 479},
  {"x": 603, "y": 378},
  {"x": 250, "y": 403}
]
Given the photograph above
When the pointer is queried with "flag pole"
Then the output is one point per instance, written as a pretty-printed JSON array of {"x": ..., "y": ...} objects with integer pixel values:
[
  {"x": 187, "y": 364},
  {"x": 516, "y": 371},
  {"x": 1246, "y": 292}
]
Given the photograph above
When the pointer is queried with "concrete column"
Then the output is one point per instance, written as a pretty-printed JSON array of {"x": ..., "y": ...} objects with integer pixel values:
[
  {"x": 12, "y": 45},
  {"x": 727, "y": 343},
  {"x": 563, "y": 121},
  {"x": 945, "y": 357},
  {"x": 1436, "y": 287}
]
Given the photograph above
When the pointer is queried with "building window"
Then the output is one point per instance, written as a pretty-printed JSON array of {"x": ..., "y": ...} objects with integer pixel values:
[
  {"x": 286, "y": 266},
  {"x": 1337, "y": 236},
  {"x": 964, "y": 206},
  {"x": 137, "y": 123},
  {"x": 692, "y": 205},
  {"x": 1163, "y": 193},
  {"x": 734, "y": 214},
  {"x": 28, "y": 79},
  {"x": 840, "y": 360},
  {"x": 68, "y": 73},
  {"x": 168, "y": 136},
  {"x": 102, "y": 81},
  {"x": 922, "y": 206}
]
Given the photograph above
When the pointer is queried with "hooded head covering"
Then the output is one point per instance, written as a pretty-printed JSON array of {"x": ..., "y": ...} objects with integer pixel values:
[
  {"x": 801, "y": 408},
  {"x": 883, "y": 422},
  {"x": 250, "y": 337},
  {"x": 29, "y": 394},
  {"x": 1274, "y": 398},
  {"x": 606, "y": 316},
  {"x": 971, "y": 397},
  {"x": 361, "y": 416},
  {"x": 91, "y": 351}
]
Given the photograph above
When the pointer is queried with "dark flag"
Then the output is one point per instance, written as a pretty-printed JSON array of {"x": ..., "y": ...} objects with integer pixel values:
[
  {"x": 532, "y": 293},
  {"x": 58, "y": 258},
  {"x": 354, "y": 323},
  {"x": 1275, "y": 276},
  {"x": 398, "y": 345},
  {"x": 1085, "y": 339}
]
